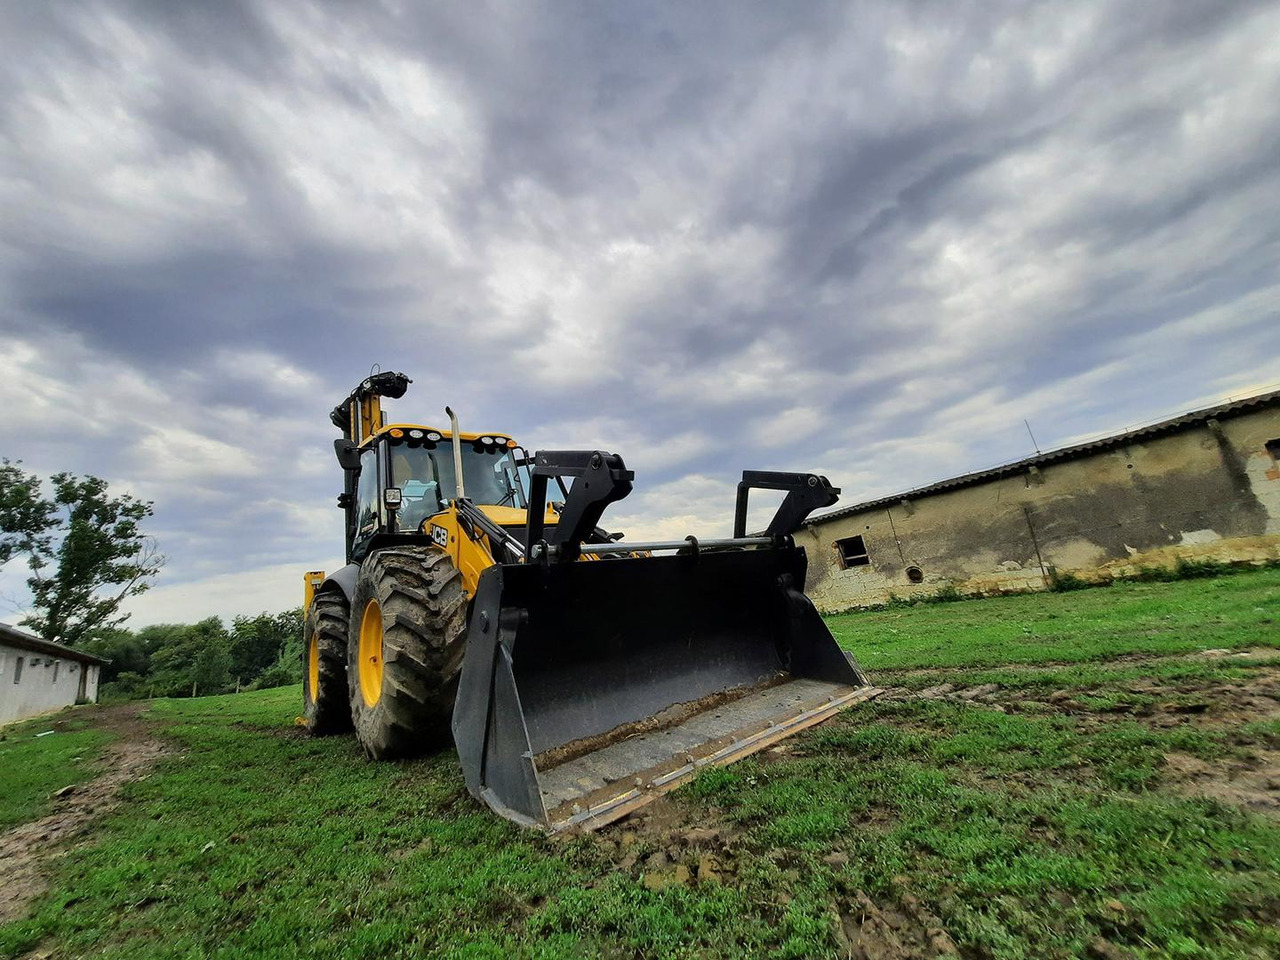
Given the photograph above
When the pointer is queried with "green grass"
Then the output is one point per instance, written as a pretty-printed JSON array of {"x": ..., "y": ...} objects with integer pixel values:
[
  {"x": 1040, "y": 679},
  {"x": 1020, "y": 832},
  {"x": 259, "y": 841},
  {"x": 32, "y": 768},
  {"x": 1155, "y": 619},
  {"x": 1024, "y": 868}
]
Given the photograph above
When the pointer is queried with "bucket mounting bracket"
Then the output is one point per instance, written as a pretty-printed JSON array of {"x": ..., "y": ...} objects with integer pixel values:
[
  {"x": 599, "y": 479},
  {"x": 806, "y": 492}
]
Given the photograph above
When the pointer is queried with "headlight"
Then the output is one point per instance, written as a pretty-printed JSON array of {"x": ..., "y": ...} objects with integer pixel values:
[
  {"x": 416, "y": 434},
  {"x": 434, "y": 437}
]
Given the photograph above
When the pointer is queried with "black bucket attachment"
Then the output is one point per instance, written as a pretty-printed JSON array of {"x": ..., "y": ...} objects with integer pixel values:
[{"x": 591, "y": 687}]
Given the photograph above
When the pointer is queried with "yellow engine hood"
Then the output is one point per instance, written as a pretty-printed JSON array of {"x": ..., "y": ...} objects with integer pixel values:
[{"x": 510, "y": 516}]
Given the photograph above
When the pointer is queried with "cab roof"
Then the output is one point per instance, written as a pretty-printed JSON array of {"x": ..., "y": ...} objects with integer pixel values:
[{"x": 466, "y": 435}]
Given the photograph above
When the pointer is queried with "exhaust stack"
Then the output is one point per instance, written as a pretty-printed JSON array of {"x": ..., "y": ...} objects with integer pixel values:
[{"x": 457, "y": 452}]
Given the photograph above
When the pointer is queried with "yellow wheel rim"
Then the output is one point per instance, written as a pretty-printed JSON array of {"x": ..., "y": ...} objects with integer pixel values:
[
  {"x": 313, "y": 668},
  {"x": 371, "y": 653}
]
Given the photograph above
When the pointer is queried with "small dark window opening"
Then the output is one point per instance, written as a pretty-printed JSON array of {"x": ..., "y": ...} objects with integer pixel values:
[
  {"x": 17, "y": 671},
  {"x": 915, "y": 574},
  {"x": 1273, "y": 448},
  {"x": 56, "y": 665},
  {"x": 853, "y": 552}
]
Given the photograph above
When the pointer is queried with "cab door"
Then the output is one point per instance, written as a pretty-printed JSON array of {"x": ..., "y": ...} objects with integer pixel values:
[{"x": 369, "y": 511}]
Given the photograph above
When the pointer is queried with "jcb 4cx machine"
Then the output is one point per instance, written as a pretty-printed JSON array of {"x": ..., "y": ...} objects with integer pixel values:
[{"x": 581, "y": 676}]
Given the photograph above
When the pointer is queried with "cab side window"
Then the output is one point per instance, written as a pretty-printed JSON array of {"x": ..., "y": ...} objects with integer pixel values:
[{"x": 367, "y": 497}]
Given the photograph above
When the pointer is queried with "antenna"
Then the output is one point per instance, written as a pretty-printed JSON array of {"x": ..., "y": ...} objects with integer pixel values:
[{"x": 1031, "y": 435}]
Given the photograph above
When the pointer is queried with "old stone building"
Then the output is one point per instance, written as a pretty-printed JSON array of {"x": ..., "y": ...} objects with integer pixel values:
[
  {"x": 37, "y": 676},
  {"x": 1204, "y": 485}
]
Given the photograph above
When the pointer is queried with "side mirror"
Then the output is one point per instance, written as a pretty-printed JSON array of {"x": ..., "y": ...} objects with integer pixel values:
[{"x": 348, "y": 454}]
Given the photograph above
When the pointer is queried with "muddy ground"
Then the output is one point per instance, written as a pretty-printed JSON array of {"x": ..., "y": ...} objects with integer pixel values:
[
  {"x": 27, "y": 851},
  {"x": 662, "y": 846},
  {"x": 1251, "y": 781},
  {"x": 902, "y": 927}
]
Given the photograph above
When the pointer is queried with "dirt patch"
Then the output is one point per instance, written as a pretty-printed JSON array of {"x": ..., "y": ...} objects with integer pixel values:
[
  {"x": 1253, "y": 782},
  {"x": 662, "y": 847},
  {"x": 987, "y": 694},
  {"x": 26, "y": 850},
  {"x": 667, "y": 843},
  {"x": 1216, "y": 706},
  {"x": 869, "y": 931},
  {"x": 1255, "y": 654},
  {"x": 1259, "y": 699},
  {"x": 1247, "y": 778}
]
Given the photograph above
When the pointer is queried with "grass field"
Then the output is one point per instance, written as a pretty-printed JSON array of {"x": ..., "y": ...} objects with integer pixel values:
[
  {"x": 1114, "y": 795},
  {"x": 33, "y": 766}
]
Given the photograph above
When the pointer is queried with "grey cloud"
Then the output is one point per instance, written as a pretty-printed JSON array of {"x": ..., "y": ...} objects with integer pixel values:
[{"x": 861, "y": 217}]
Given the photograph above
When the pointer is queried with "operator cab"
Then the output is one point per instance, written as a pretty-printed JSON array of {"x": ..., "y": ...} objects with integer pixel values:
[
  {"x": 422, "y": 469},
  {"x": 417, "y": 462}
]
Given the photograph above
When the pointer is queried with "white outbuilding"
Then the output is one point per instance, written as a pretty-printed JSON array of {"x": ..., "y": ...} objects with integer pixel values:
[{"x": 37, "y": 676}]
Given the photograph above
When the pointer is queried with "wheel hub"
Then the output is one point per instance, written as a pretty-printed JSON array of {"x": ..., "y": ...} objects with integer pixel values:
[
  {"x": 313, "y": 668},
  {"x": 371, "y": 663}
]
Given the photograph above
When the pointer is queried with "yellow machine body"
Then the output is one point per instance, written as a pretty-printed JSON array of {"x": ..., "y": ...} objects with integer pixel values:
[{"x": 585, "y": 674}]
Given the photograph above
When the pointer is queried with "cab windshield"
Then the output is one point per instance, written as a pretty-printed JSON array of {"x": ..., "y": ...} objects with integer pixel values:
[{"x": 425, "y": 477}]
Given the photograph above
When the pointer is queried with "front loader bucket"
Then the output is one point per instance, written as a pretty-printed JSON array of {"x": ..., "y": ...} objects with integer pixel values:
[{"x": 589, "y": 688}]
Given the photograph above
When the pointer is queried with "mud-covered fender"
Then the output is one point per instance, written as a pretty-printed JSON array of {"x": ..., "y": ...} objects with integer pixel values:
[{"x": 343, "y": 580}]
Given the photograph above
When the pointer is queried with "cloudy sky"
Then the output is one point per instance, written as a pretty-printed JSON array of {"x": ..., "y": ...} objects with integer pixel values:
[{"x": 866, "y": 239}]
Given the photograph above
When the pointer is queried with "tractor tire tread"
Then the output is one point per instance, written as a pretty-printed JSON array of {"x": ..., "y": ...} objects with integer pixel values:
[
  {"x": 327, "y": 710},
  {"x": 424, "y": 635}
]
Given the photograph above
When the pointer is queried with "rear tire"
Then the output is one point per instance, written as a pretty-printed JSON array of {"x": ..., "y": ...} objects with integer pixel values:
[
  {"x": 326, "y": 707},
  {"x": 405, "y": 641}
]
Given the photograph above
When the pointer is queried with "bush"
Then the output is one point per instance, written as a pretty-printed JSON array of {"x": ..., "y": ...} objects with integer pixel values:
[
  {"x": 1186, "y": 569},
  {"x": 1062, "y": 582},
  {"x": 1194, "y": 569},
  {"x": 276, "y": 675},
  {"x": 947, "y": 593},
  {"x": 126, "y": 686}
]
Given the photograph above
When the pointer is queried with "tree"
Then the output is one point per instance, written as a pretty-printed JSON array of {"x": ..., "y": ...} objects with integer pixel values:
[
  {"x": 179, "y": 659},
  {"x": 288, "y": 665},
  {"x": 257, "y": 642},
  {"x": 25, "y": 516},
  {"x": 212, "y": 670},
  {"x": 126, "y": 651},
  {"x": 84, "y": 548},
  {"x": 187, "y": 654}
]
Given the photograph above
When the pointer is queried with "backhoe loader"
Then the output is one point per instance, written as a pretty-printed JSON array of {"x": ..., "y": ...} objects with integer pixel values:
[{"x": 579, "y": 675}]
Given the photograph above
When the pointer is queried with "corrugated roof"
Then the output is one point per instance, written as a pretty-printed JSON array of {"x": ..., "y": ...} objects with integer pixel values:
[
  {"x": 13, "y": 637},
  {"x": 1172, "y": 425}
]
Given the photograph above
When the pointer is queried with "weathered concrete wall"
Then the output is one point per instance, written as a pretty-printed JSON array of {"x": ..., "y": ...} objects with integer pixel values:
[
  {"x": 1211, "y": 491},
  {"x": 47, "y": 683}
]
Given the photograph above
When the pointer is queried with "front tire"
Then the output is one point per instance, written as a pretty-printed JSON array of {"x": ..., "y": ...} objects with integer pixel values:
[
  {"x": 326, "y": 707},
  {"x": 405, "y": 642}
]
